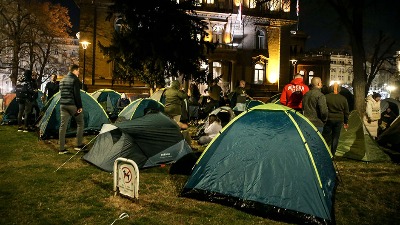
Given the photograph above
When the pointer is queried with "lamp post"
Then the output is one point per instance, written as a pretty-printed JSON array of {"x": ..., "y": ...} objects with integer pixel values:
[
  {"x": 85, "y": 44},
  {"x": 294, "y": 61}
]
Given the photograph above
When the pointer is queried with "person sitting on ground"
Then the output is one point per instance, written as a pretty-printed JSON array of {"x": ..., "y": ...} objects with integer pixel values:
[
  {"x": 213, "y": 128},
  {"x": 387, "y": 118}
]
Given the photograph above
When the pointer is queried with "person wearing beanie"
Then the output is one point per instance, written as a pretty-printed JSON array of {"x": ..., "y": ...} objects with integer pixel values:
[{"x": 338, "y": 116}]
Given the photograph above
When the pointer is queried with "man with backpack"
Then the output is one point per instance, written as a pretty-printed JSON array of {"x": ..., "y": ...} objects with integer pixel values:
[{"x": 25, "y": 94}]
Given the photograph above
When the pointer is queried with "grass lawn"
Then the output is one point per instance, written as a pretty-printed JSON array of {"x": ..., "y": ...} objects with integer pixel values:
[{"x": 79, "y": 193}]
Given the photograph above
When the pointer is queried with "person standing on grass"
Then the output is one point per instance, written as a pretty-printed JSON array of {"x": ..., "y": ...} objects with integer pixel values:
[
  {"x": 52, "y": 87},
  {"x": 174, "y": 97},
  {"x": 292, "y": 93},
  {"x": 372, "y": 113},
  {"x": 25, "y": 94},
  {"x": 338, "y": 116},
  {"x": 71, "y": 105},
  {"x": 314, "y": 105}
]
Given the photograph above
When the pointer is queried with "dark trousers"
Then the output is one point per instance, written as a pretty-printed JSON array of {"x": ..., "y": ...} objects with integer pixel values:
[
  {"x": 331, "y": 134},
  {"x": 67, "y": 111},
  {"x": 24, "y": 109}
]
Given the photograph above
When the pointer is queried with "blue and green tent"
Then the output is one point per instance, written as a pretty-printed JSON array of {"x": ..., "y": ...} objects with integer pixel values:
[
  {"x": 94, "y": 117},
  {"x": 108, "y": 99},
  {"x": 151, "y": 140},
  {"x": 139, "y": 108},
  {"x": 269, "y": 161},
  {"x": 11, "y": 113}
]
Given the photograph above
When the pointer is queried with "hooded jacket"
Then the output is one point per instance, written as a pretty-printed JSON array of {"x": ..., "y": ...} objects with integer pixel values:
[
  {"x": 173, "y": 99},
  {"x": 293, "y": 93},
  {"x": 373, "y": 108}
]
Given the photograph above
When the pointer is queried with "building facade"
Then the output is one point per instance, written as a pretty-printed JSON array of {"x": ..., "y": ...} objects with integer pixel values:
[{"x": 252, "y": 42}]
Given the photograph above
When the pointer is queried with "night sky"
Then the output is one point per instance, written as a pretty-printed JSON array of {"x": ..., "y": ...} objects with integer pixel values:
[{"x": 319, "y": 22}]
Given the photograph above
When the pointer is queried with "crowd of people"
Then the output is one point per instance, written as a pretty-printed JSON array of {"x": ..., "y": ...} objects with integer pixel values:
[{"x": 328, "y": 112}]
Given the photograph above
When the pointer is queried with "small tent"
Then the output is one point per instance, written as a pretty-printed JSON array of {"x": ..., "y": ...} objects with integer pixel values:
[
  {"x": 150, "y": 140},
  {"x": 275, "y": 99},
  {"x": 11, "y": 113},
  {"x": 251, "y": 103},
  {"x": 139, "y": 108},
  {"x": 392, "y": 103},
  {"x": 159, "y": 95},
  {"x": 391, "y": 136},
  {"x": 270, "y": 161},
  {"x": 94, "y": 117},
  {"x": 356, "y": 143},
  {"x": 108, "y": 99}
]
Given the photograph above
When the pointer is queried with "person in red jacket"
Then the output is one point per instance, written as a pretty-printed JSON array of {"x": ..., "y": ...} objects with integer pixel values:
[{"x": 292, "y": 94}]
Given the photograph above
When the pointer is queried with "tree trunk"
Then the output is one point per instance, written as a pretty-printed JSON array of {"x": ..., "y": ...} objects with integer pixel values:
[{"x": 15, "y": 64}]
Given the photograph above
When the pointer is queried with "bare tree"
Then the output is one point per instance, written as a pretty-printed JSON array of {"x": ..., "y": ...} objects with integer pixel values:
[
  {"x": 31, "y": 29},
  {"x": 351, "y": 14},
  {"x": 15, "y": 16}
]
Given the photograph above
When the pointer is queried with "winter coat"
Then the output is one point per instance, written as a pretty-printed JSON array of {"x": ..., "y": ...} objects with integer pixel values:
[
  {"x": 25, "y": 88},
  {"x": 293, "y": 93},
  {"x": 173, "y": 100},
  {"x": 338, "y": 108},
  {"x": 70, "y": 91},
  {"x": 315, "y": 108},
  {"x": 372, "y": 115}
]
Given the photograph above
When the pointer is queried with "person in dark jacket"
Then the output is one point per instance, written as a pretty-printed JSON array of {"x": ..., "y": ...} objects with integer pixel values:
[
  {"x": 173, "y": 101},
  {"x": 52, "y": 87},
  {"x": 71, "y": 105},
  {"x": 338, "y": 116},
  {"x": 314, "y": 105},
  {"x": 25, "y": 94}
]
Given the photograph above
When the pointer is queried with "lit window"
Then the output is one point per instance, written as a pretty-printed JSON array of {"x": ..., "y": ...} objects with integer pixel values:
[
  {"x": 210, "y": 1},
  {"x": 260, "y": 42},
  {"x": 259, "y": 73},
  {"x": 217, "y": 69},
  {"x": 252, "y": 4},
  {"x": 310, "y": 76}
]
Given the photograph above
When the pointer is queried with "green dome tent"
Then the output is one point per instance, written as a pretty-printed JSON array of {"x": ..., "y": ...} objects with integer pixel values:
[
  {"x": 150, "y": 140},
  {"x": 139, "y": 108},
  {"x": 159, "y": 95},
  {"x": 94, "y": 117},
  {"x": 270, "y": 161},
  {"x": 108, "y": 99},
  {"x": 356, "y": 143},
  {"x": 11, "y": 113}
]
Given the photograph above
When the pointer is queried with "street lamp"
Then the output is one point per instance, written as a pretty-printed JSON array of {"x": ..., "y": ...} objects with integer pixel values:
[
  {"x": 85, "y": 44},
  {"x": 294, "y": 61}
]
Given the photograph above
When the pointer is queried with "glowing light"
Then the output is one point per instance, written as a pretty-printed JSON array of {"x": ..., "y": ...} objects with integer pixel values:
[
  {"x": 391, "y": 88},
  {"x": 333, "y": 81},
  {"x": 273, "y": 70}
]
